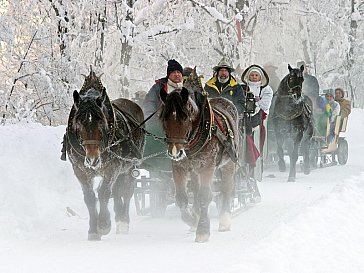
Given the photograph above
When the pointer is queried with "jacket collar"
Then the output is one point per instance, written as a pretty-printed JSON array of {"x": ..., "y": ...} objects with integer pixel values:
[{"x": 212, "y": 83}]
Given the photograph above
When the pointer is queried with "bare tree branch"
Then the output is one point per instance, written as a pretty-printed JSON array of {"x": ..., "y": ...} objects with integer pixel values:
[{"x": 16, "y": 79}]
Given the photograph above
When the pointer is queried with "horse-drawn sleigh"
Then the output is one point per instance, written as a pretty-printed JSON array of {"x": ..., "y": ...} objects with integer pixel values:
[
  {"x": 203, "y": 141},
  {"x": 296, "y": 128},
  {"x": 197, "y": 153},
  {"x": 200, "y": 149}
]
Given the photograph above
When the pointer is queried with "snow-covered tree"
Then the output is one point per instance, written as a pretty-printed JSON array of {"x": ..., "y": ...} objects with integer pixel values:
[{"x": 46, "y": 45}]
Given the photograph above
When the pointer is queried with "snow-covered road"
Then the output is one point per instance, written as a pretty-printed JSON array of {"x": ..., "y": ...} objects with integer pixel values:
[{"x": 318, "y": 219}]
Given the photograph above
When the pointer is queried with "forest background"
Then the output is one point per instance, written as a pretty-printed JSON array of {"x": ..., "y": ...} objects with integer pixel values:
[{"x": 46, "y": 45}]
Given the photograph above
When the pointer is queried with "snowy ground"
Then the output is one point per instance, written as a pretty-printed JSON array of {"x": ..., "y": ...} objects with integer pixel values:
[{"x": 313, "y": 225}]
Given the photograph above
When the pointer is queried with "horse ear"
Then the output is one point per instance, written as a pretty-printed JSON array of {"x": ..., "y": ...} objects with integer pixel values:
[
  {"x": 302, "y": 68},
  {"x": 289, "y": 68},
  {"x": 163, "y": 94},
  {"x": 194, "y": 71},
  {"x": 76, "y": 98},
  {"x": 184, "y": 94}
]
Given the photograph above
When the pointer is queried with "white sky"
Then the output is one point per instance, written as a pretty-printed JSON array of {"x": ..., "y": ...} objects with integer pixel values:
[{"x": 314, "y": 225}]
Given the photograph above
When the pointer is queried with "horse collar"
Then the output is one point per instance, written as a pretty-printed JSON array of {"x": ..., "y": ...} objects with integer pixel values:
[{"x": 203, "y": 134}]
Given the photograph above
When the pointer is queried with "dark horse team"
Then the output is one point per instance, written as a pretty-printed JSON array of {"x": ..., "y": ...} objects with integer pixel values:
[{"x": 203, "y": 136}]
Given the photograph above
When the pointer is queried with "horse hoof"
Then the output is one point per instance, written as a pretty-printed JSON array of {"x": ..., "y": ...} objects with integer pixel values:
[
  {"x": 104, "y": 230},
  {"x": 225, "y": 222},
  {"x": 291, "y": 179},
  {"x": 122, "y": 228},
  {"x": 202, "y": 238},
  {"x": 94, "y": 237}
]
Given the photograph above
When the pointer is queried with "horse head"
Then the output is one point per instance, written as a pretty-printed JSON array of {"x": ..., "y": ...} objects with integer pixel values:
[
  {"x": 178, "y": 116},
  {"x": 193, "y": 82},
  {"x": 90, "y": 121},
  {"x": 294, "y": 81}
]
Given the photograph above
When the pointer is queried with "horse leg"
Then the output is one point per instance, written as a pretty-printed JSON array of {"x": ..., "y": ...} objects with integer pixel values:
[
  {"x": 90, "y": 201},
  {"x": 227, "y": 182},
  {"x": 306, "y": 145},
  {"x": 204, "y": 198},
  {"x": 104, "y": 193},
  {"x": 122, "y": 192},
  {"x": 180, "y": 179},
  {"x": 280, "y": 153},
  {"x": 293, "y": 156},
  {"x": 195, "y": 187}
]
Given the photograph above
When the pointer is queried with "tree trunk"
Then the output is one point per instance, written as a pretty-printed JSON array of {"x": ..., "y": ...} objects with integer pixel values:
[
  {"x": 62, "y": 30},
  {"x": 350, "y": 55}
]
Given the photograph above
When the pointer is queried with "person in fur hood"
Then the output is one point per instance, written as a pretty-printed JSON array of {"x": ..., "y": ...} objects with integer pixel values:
[{"x": 256, "y": 80}]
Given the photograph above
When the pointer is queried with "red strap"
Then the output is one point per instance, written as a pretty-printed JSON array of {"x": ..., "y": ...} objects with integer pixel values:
[
  {"x": 218, "y": 122},
  {"x": 194, "y": 140}
]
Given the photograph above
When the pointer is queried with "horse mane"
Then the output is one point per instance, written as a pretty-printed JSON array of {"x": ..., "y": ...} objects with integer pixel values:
[
  {"x": 89, "y": 105},
  {"x": 92, "y": 81},
  {"x": 283, "y": 86},
  {"x": 174, "y": 103}
]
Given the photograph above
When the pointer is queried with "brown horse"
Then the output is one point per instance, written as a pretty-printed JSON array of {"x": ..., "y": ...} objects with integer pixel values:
[
  {"x": 199, "y": 136},
  {"x": 103, "y": 139}
]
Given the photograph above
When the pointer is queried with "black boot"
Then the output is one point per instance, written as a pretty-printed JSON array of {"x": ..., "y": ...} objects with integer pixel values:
[{"x": 64, "y": 148}]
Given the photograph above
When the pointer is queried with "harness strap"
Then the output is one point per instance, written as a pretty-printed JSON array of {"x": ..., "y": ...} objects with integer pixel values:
[
  {"x": 91, "y": 142},
  {"x": 133, "y": 147},
  {"x": 230, "y": 149},
  {"x": 225, "y": 137},
  {"x": 195, "y": 138},
  {"x": 229, "y": 132},
  {"x": 203, "y": 135},
  {"x": 176, "y": 140},
  {"x": 218, "y": 122}
]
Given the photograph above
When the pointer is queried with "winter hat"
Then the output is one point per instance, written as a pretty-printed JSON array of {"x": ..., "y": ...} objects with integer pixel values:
[
  {"x": 257, "y": 69},
  {"x": 224, "y": 63},
  {"x": 173, "y": 65},
  {"x": 330, "y": 92}
]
